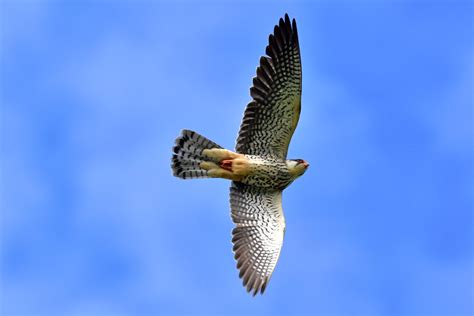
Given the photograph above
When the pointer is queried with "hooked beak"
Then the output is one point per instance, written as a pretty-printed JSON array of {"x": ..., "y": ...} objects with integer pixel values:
[{"x": 305, "y": 164}]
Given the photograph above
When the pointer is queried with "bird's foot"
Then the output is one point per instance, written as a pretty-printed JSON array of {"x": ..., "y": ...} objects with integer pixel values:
[
  {"x": 215, "y": 171},
  {"x": 240, "y": 166},
  {"x": 219, "y": 154}
]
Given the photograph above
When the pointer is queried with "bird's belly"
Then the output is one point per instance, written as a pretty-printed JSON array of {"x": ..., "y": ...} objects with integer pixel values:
[{"x": 267, "y": 174}]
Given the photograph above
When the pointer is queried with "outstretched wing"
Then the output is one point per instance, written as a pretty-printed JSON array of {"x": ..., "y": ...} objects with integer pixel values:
[
  {"x": 271, "y": 117},
  {"x": 258, "y": 235}
]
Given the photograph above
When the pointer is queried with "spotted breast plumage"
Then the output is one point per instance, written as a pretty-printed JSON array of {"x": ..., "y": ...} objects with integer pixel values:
[{"x": 259, "y": 168}]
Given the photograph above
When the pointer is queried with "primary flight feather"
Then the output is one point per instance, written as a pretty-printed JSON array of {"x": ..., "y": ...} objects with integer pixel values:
[{"x": 258, "y": 168}]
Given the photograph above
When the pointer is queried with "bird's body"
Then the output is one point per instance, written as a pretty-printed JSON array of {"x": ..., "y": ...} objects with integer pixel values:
[
  {"x": 267, "y": 172},
  {"x": 258, "y": 168},
  {"x": 259, "y": 171}
]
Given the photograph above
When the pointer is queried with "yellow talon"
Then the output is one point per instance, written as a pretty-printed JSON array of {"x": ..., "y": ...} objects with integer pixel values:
[
  {"x": 240, "y": 166},
  {"x": 208, "y": 165},
  {"x": 219, "y": 154}
]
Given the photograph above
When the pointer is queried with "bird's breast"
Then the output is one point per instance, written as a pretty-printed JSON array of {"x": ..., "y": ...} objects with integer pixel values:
[{"x": 267, "y": 173}]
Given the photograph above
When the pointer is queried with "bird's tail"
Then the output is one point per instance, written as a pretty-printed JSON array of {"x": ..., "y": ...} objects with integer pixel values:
[{"x": 187, "y": 155}]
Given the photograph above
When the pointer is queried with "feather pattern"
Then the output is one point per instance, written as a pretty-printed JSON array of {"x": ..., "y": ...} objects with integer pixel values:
[
  {"x": 271, "y": 117},
  {"x": 258, "y": 235},
  {"x": 187, "y": 155}
]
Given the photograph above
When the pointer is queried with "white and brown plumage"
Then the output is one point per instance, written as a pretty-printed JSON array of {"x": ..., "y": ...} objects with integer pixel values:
[{"x": 259, "y": 169}]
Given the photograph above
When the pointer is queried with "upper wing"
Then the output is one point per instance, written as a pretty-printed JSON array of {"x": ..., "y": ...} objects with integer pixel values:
[
  {"x": 271, "y": 117},
  {"x": 258, "y": 235}
]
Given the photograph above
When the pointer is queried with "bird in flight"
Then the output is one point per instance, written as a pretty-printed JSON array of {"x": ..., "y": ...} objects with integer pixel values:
[{"x": 259, "y": 169}]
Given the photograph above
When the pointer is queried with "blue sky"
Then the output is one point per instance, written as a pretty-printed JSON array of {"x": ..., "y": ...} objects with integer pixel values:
[{"x": 94, "y": 94}]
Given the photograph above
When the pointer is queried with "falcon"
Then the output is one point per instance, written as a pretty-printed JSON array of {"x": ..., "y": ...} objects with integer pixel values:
[{"x": 258, "y": 168}]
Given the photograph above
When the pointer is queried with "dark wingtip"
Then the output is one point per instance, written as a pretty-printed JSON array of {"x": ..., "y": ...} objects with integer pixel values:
[
  {"x": 295, "y": 31},
  {"x": 264, "y": 286},
  {"x": 281, "y": 22},
  {"x": 255, "y": 292}
]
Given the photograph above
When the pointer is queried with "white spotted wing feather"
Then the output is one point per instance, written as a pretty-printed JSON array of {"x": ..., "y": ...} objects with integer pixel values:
[
  {"x": 258, "y": 235},
  {"x": 271, "y": 117}
]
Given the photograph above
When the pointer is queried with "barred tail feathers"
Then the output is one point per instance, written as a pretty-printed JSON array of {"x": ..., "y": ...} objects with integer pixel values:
[{"x": 187, "y": 155}]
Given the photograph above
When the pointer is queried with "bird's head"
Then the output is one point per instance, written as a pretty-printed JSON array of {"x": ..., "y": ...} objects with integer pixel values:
[{"x": 297, "y": 167}]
